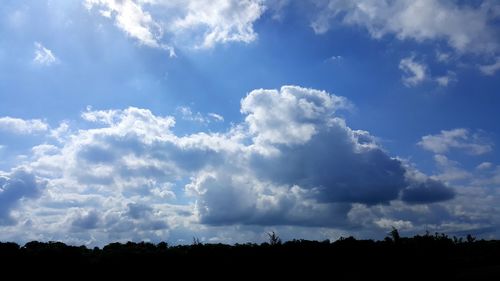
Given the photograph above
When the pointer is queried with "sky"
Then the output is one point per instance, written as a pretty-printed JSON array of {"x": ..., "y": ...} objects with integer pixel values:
[{"x": 164, "y": 120}]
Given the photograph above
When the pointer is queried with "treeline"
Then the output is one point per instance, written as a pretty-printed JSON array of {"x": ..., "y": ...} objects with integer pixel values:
[{"x": 422, "y": 257}]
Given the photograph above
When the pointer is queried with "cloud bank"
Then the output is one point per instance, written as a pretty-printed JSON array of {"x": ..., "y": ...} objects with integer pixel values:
[{"x": 291, "y": 162}]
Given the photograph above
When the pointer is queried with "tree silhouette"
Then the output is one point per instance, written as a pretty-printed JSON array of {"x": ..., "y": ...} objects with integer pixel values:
[
  {"x": 395, "y": 235},
  {"x": 416, "y": 258},
  {"x": 470, "y": 238},
  {"x": 274, "y": 239},
  {"x": 196, "y": 241}
]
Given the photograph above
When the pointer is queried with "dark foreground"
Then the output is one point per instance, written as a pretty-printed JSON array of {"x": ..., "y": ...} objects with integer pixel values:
[{"x": 423, "y": 257}]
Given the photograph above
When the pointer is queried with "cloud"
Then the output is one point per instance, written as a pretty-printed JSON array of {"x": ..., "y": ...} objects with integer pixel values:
[
  {"x": 277, "y": 8},
  {"x": 415, "y": 72},
  {"x": 222, "y": 21},
  {"x": 291, "y": 161},
  {"x": 443, "y": 56},
  {"x": 386, "y": 223},
  {"x": 130, "y": 17},
  {"x": 491, "y": 69},
  {"x": 309, "y": 169},
  {"x": 466, "y": 28},
  {"x": 445, "y": 80},
  {"x": 216, "y": 117},
  {"x": 289, "y": 116},
  {"x": 459, "y": 138},
  {"x": 60, "y": 132},
  {"x": 450, "y": 170},
  {"x": 15, "y": 186},
  {"x": 43, "y": 56},
  {"x": 484, "y": 166},
  {"x": 21, "y": 126},
  {"x": 86, "y": 220},
  {"x": 187, "y": 114},
  {"x": 335, "y": 58},
  {"x": 106, "y": 117},
  {"x": 205, "y": 24}
]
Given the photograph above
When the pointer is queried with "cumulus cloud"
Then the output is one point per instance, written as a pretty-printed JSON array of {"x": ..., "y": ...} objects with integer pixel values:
[
  {"x": 130, "y": 17},
  {"x": 292, "y": 161},
  {"x": 221, "y": 20},
  {"x": 208, "y": 22},
  {"x": 465, "y": 28},
  {"x": 427, "y": 192},
  {"x": 86, "y": 220},
  {"x": 22, "y": 126},
  {"x": 289, "y": 116},
  {"x": 14, "y": 187},
  {"x": 415, "y": 72},
  {"x": 460, "y": 138},
  {"x": 43, "y": 56}
]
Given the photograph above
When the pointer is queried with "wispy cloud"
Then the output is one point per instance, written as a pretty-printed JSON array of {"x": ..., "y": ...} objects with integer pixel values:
[
  {"x": 491, "y": 69},
  {"x": 43, "y": 56},
  {"x": 187, "y": 114},
  {"x": 460, "y": 139}
]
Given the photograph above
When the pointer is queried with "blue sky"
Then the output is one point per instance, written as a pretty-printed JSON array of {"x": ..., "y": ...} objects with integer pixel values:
[{"x": 163, "y": 120}]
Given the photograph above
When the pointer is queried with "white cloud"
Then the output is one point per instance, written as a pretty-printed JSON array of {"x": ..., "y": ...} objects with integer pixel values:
[
  {"x": 222, "y": 21},
  {"x": 443, "y": 56},
  {"x": 43, "y": 56},
  {"x": 216, "y": 117},
  {"x": 491, "y": 69},
  {"x": 484, "y": 166},
  {"x": 462, "y": 139},
  {"x": 187, "y": 114},
  {"x": 204, "y": 23},
  {"x": 465, "y": 28},
  {"x": 60, "y": 132},
  {"x": 106, "y": 117},
  {"x": 130, "y": 17},
  {"x": 445, "y": 80},
  {"x": 399, "y": 224},
  {"x": 44, "y": 149},
  {"x": 21, "y": 126},
  {"x": 289, "y": 116},
  {"x": 450, "y": 170},
  {"x": 415, "y": 72},
  {"x": 292, "y": 161}
]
